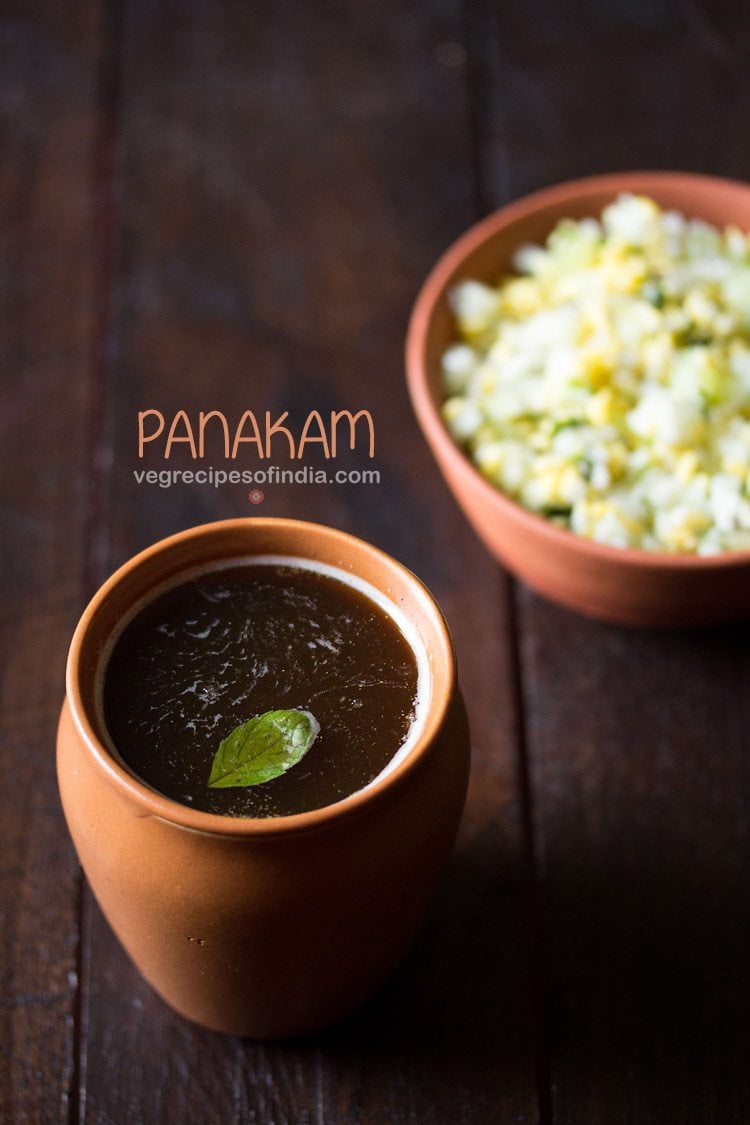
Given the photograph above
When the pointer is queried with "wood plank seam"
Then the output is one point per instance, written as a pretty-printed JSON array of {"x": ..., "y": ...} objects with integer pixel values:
[
  {"x": 481, "y": 27},
  {"x": 105, "y": 168}
]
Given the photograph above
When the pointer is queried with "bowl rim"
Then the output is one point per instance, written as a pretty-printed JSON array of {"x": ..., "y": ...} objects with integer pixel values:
[
  {"x": 152, "y": 803},
  {"x": 428, "y": 413}
]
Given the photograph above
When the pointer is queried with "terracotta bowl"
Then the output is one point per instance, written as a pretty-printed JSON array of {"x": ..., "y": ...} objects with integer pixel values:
[
  {"x": 631, "y": 587},
  {"x": 263, "y": 927}
]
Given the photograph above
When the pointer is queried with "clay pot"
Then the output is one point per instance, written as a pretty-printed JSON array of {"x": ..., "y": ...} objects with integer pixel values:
[
  {"x": 627, "y": 586},
  {"x": 263, "y": 927}
]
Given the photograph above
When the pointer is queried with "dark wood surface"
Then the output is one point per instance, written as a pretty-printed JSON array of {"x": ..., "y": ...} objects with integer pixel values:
[{"x": 232, "y": 206}]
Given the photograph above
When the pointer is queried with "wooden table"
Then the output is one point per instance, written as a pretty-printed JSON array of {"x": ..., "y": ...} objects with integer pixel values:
[{"x": 229, "y": 206}]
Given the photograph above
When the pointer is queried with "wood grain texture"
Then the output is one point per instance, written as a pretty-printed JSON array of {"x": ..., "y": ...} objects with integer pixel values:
[
  {"x": 47, "y": 127},
  {"x": 563, "y": 91},
  {"x": 206, "y": 206},
  {"x": 636, "y": 743},
  {"x": 287, "y": 179},
  {"x": 641, "y": 783}
]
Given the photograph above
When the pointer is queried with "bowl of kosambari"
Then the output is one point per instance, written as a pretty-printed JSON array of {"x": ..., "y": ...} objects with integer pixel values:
[
  {"x": 263, "y": 757},
  {"x": 579, "y": 363}
]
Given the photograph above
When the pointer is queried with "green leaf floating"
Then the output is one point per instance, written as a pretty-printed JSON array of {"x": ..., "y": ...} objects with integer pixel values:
[{"x": 263, "y": 748}]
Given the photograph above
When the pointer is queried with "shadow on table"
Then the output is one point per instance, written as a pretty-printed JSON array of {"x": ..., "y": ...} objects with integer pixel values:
[
  {"x": 451, "y": 1028},
  {"x": 446, "y": 1040},
  {"x": 645, "y": 813},
  {"x": 650, "y": 990}
]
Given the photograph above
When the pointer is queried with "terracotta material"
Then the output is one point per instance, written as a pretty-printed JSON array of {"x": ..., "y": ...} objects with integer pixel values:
[
  {"x": 269, "y": 927},
  {"x": 626, "y": 586}
]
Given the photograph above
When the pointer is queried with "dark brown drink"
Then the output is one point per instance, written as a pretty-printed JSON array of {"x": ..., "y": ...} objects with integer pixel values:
[{"x": 232, "y": 643}]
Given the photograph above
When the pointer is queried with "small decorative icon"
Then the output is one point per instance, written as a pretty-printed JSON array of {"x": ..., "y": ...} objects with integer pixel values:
[{"x": 256, "y": 496}]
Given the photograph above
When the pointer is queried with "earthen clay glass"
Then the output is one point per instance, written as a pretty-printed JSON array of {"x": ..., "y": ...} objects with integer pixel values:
[{"x": 264, "y": 927}]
